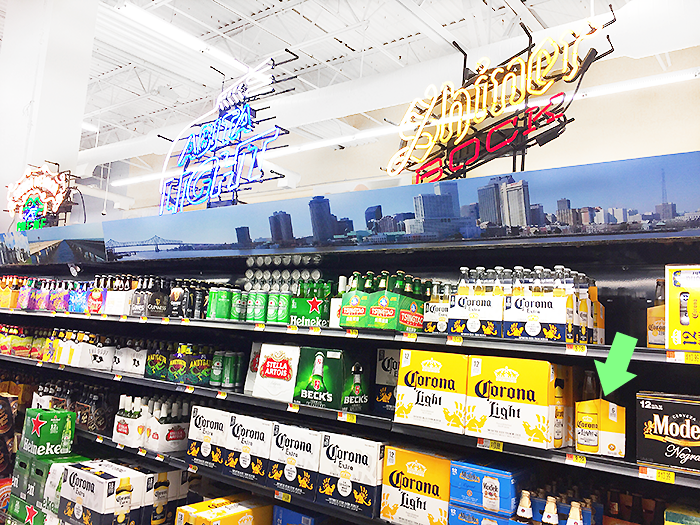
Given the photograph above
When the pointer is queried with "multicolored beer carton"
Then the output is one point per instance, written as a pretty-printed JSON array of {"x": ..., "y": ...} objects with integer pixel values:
[
  {"x": 294, "y": 459},
  {"x": 384, "y": 310},
  {"x": 432, "y": 390},
  {"x": 486, "y": 485},
  {"x": 350, "y": 473},
  {"x": 415, "y": 487},
  {"x": 520, "y": 401},
  {"x": 534, "y": 317},
  {"x": 247, "y": 448},
  {"x": 207, "y": 437},
  {"x": 478, "y": 315},
  {"x": 386, "y": 379},
  {"x": 277, "y": 372}
]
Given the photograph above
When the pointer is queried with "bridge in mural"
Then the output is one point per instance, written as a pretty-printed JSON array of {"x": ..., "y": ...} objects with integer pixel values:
[{"x": 153, "y": 241}]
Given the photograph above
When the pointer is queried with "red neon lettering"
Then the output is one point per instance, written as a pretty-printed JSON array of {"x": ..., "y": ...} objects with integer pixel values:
[
  {"x": 551, "y": 117},
  {"x": 476, "y": 143},
  {"x": 422, "y": 173},
  {"x": 489, "y": 148}
]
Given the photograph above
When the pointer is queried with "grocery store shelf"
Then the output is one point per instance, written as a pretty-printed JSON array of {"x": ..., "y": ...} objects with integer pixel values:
[
  {"x": 179, "y": 460},
  {"x": 439, "y": 342}
]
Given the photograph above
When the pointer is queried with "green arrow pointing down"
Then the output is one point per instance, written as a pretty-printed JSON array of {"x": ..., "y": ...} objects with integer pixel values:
[{"x": 613, "y": 373}]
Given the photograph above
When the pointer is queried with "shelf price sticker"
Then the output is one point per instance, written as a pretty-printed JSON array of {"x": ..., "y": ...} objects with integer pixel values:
[
  {"x": 189, "y": 389},
  {"x": 192, "y": 468},
  {"x": 61, "y": 367},
  {"x": 292, "y": 329},
  {"x": 99, "y": 439},
  {"x": 688, "y": 358},
  {"x": 348, "y": 418},
  {"x": 409, "y": 337},
  {"x": 287, "y": 498},
  {"x": 576, "y": 460},
  {"x": 165, "y": 320},
  {"x": 39, "y": 363},
  {"x": 314, "y": 330},
  {"x": 88, "y": 314},
  {"x": 655, "y": 474},
  {"x": 66, "y": 314},
  {"x": 141, "y": 451},
  {"x": 572, "y": 349},
  {"x": 292, "y": 407},
  {"x": 160, "y": 457},
  {"x": 117, "y": 377},
  {"x": 104, "y": 316},
  {"x": 122, "y": 318},
  {"x": 352, "y": 332},
  {"x": 489, "y": 444},
  {"x": 184, "y": 320},
  {"x": 221, "y": 394},
  {"x": 455, "y": 340},
  {"x": 259, "y": 327},
  {"x": 120, "y": 446},
  {"x": 143, "y": 319}
]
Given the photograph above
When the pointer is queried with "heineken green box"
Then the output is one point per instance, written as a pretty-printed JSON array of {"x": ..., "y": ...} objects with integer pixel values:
[
  {"x": 25, "y": 512},
  {"x": 331, "y": 378},
  {"x": 43, "y": 481},
  {"x": 391, "y": 311},
  {"x": 353, "y": 310},
  {"x": 47, "y": 432},
  {"x": 310, "y": 312},
  {"x": 20, "y": 474}
]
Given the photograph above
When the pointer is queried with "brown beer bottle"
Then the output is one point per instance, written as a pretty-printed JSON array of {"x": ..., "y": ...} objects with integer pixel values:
[{"x": 612, "y": 508}]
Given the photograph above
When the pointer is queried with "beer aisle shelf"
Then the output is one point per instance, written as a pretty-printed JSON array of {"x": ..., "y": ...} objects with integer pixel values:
[
  {"x": 565, "y": 456},
  {"x": 439, "y": 342},
  {"x": 181, "y": 463}
]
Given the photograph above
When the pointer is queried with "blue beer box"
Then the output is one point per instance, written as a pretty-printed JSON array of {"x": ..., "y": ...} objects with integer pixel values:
[
  {"x": 458, "y": 515},
  {"x": 297, "y": 516},
  {"x": 486, "y": 486}
]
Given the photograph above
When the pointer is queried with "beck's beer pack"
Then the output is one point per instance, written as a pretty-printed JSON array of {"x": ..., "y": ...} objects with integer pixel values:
[
  {"x": 207, "y": 437},
  {"x": 247, "y": 448},
  {"x": 294, "y": 459}
]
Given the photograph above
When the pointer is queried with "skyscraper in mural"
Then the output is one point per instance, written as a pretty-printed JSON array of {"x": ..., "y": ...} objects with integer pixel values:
[
  {"x": 322, "y": 221},
  {"x": 372, "y": 216},
  {"x": 438, "y": 216},
  {"x": 490, "y": 199},
  {"x": 449, "y": 187},
  {"x": 515, "y": 203},
  {"x": 281, "y": 227},
  {"x": 243, "y": 236}
]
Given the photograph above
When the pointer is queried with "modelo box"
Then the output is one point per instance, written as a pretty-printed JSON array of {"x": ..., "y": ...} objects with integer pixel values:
[
  {"x": 207, "y": 437},
  {"x": 542, "y": 317},
  {"x": 460, "y": 515},
  {"x": 480, "y": 315},
  {"x": 350, "y": 473},
  {"x": 668, "y": 431},
  {"x": 432, "y": 390},
  {"x": 386, "y": 379},
  {"x": 486, "y": 486},
  {"x": 294, "y": 458},
  {"x": 521, "y": 401},
  {"x": 247, "y": 448},
  {"x": 47, "y": 432},
  {"x": 277, "y": 372},
  {"x": 415, "y": 487},
  {"x": 682, "y": 306}
]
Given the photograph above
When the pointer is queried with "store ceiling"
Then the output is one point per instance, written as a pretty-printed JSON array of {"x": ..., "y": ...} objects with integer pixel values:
[{"x": 143, "y": 79}]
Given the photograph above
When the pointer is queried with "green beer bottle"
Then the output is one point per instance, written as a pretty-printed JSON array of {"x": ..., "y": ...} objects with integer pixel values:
[
  {"x": 369, "y": 282},
  {"x": 383, "y": 281},
  {"x": 357, "y": 380},
  {"x": 316, "y": 380}
]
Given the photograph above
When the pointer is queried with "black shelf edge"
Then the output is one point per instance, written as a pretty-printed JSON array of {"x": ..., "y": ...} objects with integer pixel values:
[
  {"x": 441, "y": 342},
  {"x": 182, "y": 463}
]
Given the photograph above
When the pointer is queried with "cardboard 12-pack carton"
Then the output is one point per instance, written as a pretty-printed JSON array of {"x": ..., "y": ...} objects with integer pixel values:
[
  {"x": 47, "y": 432},
  {"x": 386, "y": 379},
  {"x": 486, "y": 485},
  {"x": 247, "y": 448},
  {"x": 294, "y": 459},
  {"x": 477, "y": 315},
  {"x": 682, "y": 294},
  {"x": 207, "y": 437}
]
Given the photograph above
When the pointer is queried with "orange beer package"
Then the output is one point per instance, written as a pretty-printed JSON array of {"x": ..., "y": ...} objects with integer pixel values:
[{"x": 415, "y": 487}]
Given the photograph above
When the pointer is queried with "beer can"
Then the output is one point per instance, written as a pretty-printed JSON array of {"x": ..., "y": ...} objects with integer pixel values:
[
  {"x": 235, "y": 299},
  {"x": 259, "y": 260},
  {"x": 268, "y": 260},
  {"x": 284, "y": 307},
  {"x": 295, "y": 274},
  {"x": 211, "y": 302},
  {"x": 239, "y": 378},
  {"x": 260, "y": 307},
  {"x": 229, "y": 369},
  {"x": 296, "y": 260},
  {"x": 273, "y": 300},
  {"x": 249, "y": 273},
  {"x": 277, "y": 260},
  {"x": 258, "y": 274},
  {"x": 305, "y": 274},
  {"x": 267, "y": 274},
  {"x": 221, "y": 309},
  {"x": 250, "y": 261},
  {"x": 248, "y": 286},
  {"x": 276, "y": 274},
  {"x": 217, "y": 368},
  {"x": 250, "y": 307},
  {"x": 316, "y": 274}
]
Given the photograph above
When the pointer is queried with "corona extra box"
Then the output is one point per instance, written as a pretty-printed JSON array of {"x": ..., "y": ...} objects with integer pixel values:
[
  {"x": 386, "y": 378},
  {"x": 682, "y": 305},
  {"x": 277, "y": 372},
  {"x": 137, "y": 491},
  {"x": 668, "y": 431},
  {"x": 248, "y": 512},
  {"x": 600, "y": 428},
  {"x": 534, "y": 317},
  {"x": 294, "y": 459},
  {"x": 435, "y": 317},
  {"x": 350, "y": 473},
  {"x": 521, "y": 401},
  {"x": 247, "y": 448},
  {"x": 480, "y": 315},
  {"x": 460, "y": 515},
  {"x": 415, "y": 487},
  {"x": 47, "y": 432},
  {"x": 432, "y": 390},
  {"x": 207, "y": 437},
  {"x": 43, "y": 480}
]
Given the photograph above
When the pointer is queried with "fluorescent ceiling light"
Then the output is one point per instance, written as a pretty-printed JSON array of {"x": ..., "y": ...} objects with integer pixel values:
[{"x": 90, "y": 127}]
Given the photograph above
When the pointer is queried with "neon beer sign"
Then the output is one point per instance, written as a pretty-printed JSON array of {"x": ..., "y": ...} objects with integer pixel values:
[{"x": 38, "y": 192}]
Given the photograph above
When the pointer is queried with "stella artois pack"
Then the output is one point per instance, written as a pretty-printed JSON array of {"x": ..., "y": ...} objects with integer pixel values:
[
  {"x": 294, "y": 458},
  {"x": 415, "y": 487},
  {"x": 277, "y": 372},
  {"x": 207, "y": 437},
  {"x": 350, "y": 473},
  {"x": 432, "y": 390},
  {"x": 521, "y": 401},
  {"x": 247, "y": 448}
]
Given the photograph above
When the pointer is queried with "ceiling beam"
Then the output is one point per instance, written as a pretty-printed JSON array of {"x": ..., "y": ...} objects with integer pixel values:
[
  {"x": 434, "y": 29},
  {"x": 527, "y": 15}
]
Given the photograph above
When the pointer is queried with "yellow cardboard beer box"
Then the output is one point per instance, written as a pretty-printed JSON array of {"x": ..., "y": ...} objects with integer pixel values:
[
  {"x": 415, "y": 487},
  {"x": 432, "y": 389},
  {"x": 683, "y": 307},
  {"x": 521, "y": 401},
  {"x": 600, "y": 428},
  {"x": 185, "y": 515},
  {"x": 248, "y": 512}
]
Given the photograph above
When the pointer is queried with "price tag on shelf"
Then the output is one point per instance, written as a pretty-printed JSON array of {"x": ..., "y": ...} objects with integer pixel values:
[
  {"x": 143, "y": 319},
  {"x": 12, "y": 310},
  {"x": 122, "y": 318},
  {"x": 352, "y": 332},
  {"x": 192, "y": 468},
  {"x": 292, "y": 407},
  {"x": 455, "y": 340},
  {"x": 259, "y": 327},
  {"x": 575, "y": 459},
  {"x": 489, "y": 444},
  {"x": 141, "y": 451},
  {"x": 184, "y": 320},
  {"x": 88, "y": 314},
  {"x": 409, "y": 337},
  {"x": 165, "y": 320},
  {"x": 654, "y": 474},
  {"x": 120, "y": 446},
  {"x": 61, "y": 367},
  {"x": 688, "y": 358},
  {"x": 314, "y": 330},
  {"x": 53, "y": 314},
  {"x": 292, "y": 329},
  {"x": 66, "y": 314},
  {"x": 117, "y": 377},
  {"x": 348, "y": 418},
  {"x": 581, "y": 350},
  {"x": 221, "y": 394},
  {"x": 99, "y": 439},
  {"x": 104, "y": 316},
  {"x": 160, "y": 457},
  {"x": 39, "y": 363},
  {"x": 189, "y": 389},
  {"x": 287, "y": 498}
]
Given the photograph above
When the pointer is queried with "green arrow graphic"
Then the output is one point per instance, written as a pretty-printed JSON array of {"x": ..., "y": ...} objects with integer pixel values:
[{"x": 613, "y": 373}]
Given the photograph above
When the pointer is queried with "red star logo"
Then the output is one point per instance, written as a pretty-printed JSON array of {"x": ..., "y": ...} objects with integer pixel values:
[
  {"x": 37, "y": 423},
  {"x": 314, "y": 304},
  {"x": 31, "y": 512}
]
